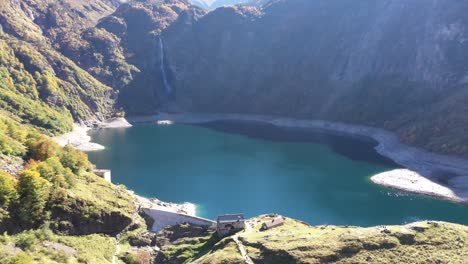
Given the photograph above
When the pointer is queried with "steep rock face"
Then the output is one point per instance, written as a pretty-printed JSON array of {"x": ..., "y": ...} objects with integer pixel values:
[
  {"x": 348, "y": 42},
  {"x": 145, "y": 49},
  {"x": 393, "y": 64}
]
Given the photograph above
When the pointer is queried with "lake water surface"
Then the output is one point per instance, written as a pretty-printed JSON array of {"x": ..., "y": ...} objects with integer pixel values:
[{"x": 251, "y": 168}]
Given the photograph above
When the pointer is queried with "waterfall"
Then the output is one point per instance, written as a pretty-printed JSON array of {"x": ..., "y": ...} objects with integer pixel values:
[{"x": 163, "y": 68}]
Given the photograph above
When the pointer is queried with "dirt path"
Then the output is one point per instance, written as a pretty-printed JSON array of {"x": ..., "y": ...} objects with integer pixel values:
[
  {"x": 117, "y": 252},
  {"x": 118, "y": 248},
  {"x": 241, "y": 247}
]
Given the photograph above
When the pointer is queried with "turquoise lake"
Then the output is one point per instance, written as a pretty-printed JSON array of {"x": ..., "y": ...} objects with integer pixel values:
[{"x": 251, "y": 168}]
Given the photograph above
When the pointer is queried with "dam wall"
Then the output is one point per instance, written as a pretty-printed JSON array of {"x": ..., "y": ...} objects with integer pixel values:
[{"x": 164, "y": 218}]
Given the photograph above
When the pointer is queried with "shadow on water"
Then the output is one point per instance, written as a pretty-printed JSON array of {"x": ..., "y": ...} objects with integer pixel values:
[{"x": 353, "y": 147}]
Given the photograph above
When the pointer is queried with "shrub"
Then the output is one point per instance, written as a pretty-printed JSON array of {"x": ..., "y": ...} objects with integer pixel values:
[
  {"x": 20, "y": 258},
  {"x": 9, "y": 146},
  {"x": 138, "y": 257},
  {"x": 26, "y": 240}
]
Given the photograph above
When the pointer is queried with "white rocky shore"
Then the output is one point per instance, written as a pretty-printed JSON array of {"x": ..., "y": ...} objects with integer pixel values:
[
  {"x": 79, "y": 138},
  {"x": 411, "y": 181},
  {"x": 426, "y": 173}
]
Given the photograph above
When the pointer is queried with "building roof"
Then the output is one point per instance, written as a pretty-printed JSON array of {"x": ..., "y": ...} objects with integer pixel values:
[
  {"x": 230, "y": 218},
  {"x": 273, "y": 222}
]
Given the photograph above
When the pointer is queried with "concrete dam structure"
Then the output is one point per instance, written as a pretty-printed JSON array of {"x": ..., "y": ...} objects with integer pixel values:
[{"x": 163, "y": 219}]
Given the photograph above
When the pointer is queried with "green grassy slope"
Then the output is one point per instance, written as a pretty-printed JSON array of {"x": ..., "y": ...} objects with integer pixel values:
[{"x": 295, "y": 242}]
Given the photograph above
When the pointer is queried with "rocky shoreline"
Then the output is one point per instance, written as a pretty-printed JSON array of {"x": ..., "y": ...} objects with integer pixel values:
[
  {"x": 79, "y": 138},
  {"x": 426, "y": 173}
]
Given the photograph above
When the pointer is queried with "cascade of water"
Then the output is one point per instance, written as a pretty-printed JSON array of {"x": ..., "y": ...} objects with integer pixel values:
[{"x": 163, "y": 68}]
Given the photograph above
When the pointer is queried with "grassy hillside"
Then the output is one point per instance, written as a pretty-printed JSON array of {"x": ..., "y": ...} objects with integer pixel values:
[
  {"x": 296, "y": 242},
  {"x": 53, "y": 209},
  {"x": 43, "y": 246},
  {"x": 55, "y": 185}
]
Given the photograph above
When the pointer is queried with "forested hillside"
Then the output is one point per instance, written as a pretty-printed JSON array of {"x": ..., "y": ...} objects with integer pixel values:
[
  {"x": 39, "y": 84},
  {"x": 49, "y": 194}
]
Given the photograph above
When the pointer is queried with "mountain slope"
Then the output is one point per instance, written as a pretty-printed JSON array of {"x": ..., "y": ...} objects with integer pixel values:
[
  {"x": 401, "y": 61},
  {"x": 393, "y": 64},
  {"x": 42, "y": 92},
  {"x": 38, "y": 76}
]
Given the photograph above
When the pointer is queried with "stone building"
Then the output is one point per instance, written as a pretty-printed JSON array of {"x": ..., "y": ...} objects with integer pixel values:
[{"x": 229, "y": 224}]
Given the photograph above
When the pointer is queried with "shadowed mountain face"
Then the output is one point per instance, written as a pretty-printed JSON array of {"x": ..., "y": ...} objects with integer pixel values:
[{"x": 394, "y": 64}]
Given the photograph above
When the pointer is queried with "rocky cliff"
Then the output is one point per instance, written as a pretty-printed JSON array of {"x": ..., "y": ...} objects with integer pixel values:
[{"x": 392, "y": 64}]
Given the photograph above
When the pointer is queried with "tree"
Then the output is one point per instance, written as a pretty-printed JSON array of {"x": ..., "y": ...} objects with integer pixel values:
[
  {"x": 74, "y": 159},
  {"x": 8, "y": 192},
  {"x": 53, "y": 171},
  {"x": 43, "y": 149},
  {"x": 33, "y": 195}
]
